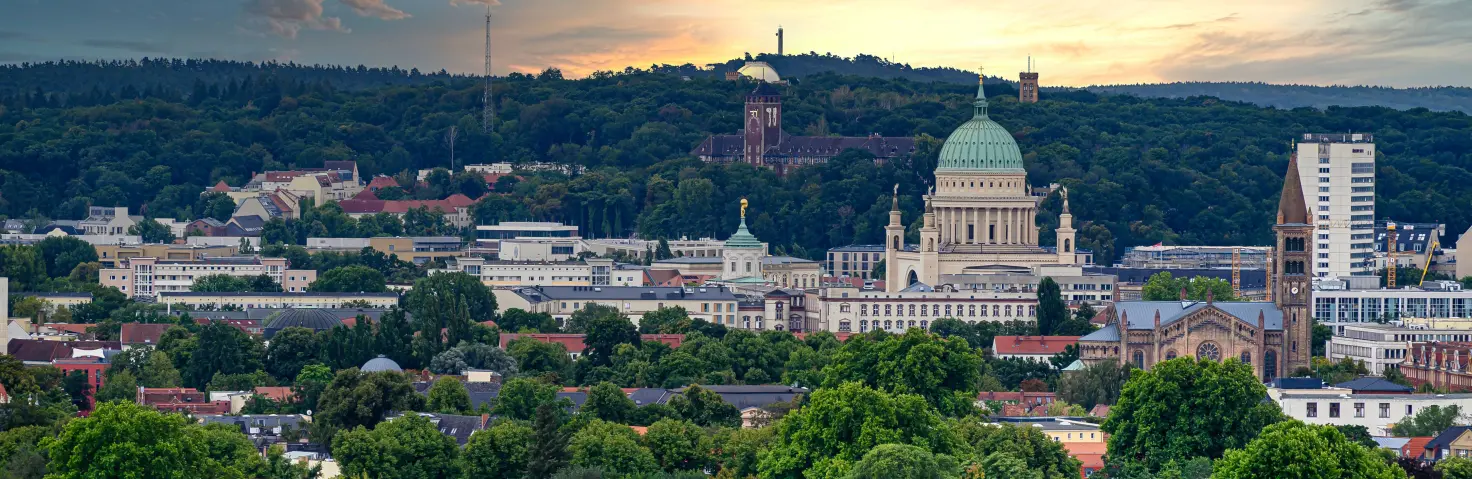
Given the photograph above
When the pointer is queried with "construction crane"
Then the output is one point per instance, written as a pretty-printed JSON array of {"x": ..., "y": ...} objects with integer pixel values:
[
  {"x": 1237, "y": 271},
  {"x": 1430, "y": 249},
  {"x": 1269, "y": 278},
  {"x": 1390, "y": 265}
]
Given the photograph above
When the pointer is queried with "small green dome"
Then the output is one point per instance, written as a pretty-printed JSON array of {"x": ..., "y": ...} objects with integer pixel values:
[
  {"x": 980, "y": 144},
  {"x": 743, "y": 238}
]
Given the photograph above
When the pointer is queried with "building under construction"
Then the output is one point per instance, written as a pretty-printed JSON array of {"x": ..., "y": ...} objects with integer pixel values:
[{"x": 1180, "y": 257}]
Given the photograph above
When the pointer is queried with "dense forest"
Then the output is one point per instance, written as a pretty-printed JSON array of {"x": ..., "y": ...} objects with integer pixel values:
[
  {"x": 1443, "y": 98},
  {"x": 1181, "y": 171},
  {"x": 178, "y": 75}
]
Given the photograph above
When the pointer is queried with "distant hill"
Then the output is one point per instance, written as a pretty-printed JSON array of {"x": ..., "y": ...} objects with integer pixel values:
[
  {"x": 1296, "y": 96},
  {"x": 181, "y": 75},
  {"x": 811, "y": 63}
]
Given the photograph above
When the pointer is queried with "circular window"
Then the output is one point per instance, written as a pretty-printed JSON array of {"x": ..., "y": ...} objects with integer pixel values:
[{"x": 1208, "y": 351}]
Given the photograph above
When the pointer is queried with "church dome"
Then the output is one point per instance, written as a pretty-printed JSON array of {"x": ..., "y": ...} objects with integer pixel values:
[
  {"x": 316, "y": 320},
  {"x": 760, "y": 71},
  {"x": 980, "y": 145},
  {"x": 380, "y": 363}
]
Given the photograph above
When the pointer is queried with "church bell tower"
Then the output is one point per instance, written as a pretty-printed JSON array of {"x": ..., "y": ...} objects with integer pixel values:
[
  {"x": 763, "y": 120},
  {"x": 1293, "y": 272},
  {"x": 894, "y": 242}
]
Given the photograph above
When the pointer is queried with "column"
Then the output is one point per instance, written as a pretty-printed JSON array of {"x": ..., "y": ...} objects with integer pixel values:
[
  {"x": 1010, "y": 229},
  {"x": 986, "y": 220},
  {"x": 971, "y": 222}
]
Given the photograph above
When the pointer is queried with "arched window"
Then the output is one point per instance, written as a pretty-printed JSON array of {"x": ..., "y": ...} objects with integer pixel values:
[
  {"x": 1139, "y": 359},
  {"x": 1269, "y": 365},
  {"x": 925, "y": 324},
  {"x": 1246, "y": 357},
  {"x": 1169, "y": 355},
  {"x": 896, "y": 241},
  {"x": 1067, "y": 245}
]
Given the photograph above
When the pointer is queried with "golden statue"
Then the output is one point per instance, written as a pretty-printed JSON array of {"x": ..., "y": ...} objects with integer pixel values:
[{"x": 743, "y": 208}]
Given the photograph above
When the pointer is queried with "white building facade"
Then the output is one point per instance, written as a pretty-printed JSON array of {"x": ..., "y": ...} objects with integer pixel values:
[
  {"x": 858, "y": 311},
  {"x": 590, "y": 272},
  {"x": 1338, "y": 172},
  {"x": 1385, "y": 346},
  {"x": 1367, "y": 306},
  {"x": 1376, "y": 412}
]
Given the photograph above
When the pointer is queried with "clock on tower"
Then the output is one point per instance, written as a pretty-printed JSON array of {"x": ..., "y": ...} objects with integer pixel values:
[
  {"x": 1293, "y": 270},
  {"x": 763, "y": 123}
]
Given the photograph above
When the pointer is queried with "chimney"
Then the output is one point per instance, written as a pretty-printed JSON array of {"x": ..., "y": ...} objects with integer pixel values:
[
  {"x": 1183, "y": 293},
  {"x": 1157, "y": 319},
  {"x": 1208, "y": 296},
  {"x": 1260, "y": 322}
]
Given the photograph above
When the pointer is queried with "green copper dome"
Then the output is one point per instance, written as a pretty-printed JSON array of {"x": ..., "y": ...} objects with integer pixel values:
[{"x": 980, "y": 144}]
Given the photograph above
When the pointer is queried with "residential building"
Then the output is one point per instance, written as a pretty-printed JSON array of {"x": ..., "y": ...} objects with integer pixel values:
[
  {"x": 538, "y": 249},
  {"x": 1060, "y": 429},
  {"x": 714, "y": 304},
  {"x": 455, "y": 208},
  {"x": 589, "y": 272},
  {"x": 418, "y": 249},
  {"x": 1035, "y": 348},
  {"x": 133, "y": 335},
  {"x": 183, "y": 400},
  {"x": 251, "y": 300},
  {"x": 110, "y": 255},
  {"x": 1076, "y": 286},
  {"x": 1385, "y": 346},
  {"x": 284, "y": 204},
  {"x": 1455, "y": 441},
  {"x": 1338, "y": 172},
  {"x": 147, "y": 277},
  {"x": 263, "y": 429},
  {"x": 848, "y": 309},
  {"x": 108, "y": 220},
  {"x": 855, "y": 261},
  {"x": 59, "y": 299},
  {"x": 1194, "y": 257},
  {"x": 638, "y": 249},
  {"x": 1377, "y": 412}
]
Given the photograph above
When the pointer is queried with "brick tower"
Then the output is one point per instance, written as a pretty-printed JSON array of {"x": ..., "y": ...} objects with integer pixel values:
[
  {"x": 1027, "y": 87},
  {"x": 763, "y": 122}
]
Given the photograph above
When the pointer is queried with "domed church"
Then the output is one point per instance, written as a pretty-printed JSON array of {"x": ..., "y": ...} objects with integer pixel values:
[{"x": 979, "y": 213}]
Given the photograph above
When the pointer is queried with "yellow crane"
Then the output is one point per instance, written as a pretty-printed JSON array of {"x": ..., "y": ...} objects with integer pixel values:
[
  {"x": 1430, "y": 250},
  {"x": 1390, "y": 265}
]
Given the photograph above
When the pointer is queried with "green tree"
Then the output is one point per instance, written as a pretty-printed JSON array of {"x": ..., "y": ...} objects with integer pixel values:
[
  {"x": 219, "y": 283},
  {"x": 158, "y": 372},
  {"x": 1098, "y": 383},
  {"x": 476, "y": 296},
  {"x": 549, "y": 446},
  {"x": 1164, "y": 287},
  {"x": 605, "y": 333},
  {"x": 355, "y": 399},
  {"x": 290, "y": 350},
  {"x": 705, "y": 407},
  {"x": 611, "y": 447},
  {"x": 152, "y": 232},
  {"x": 78, "y": 388},
  {"x": 943, "y": 371},
  {"x": 1052, "y": 312},
  {"x": 310, "y": 383},
  {"x": 1038, "y": 453},
  {"x": 737, "y": 450},
  {"x": 221, "y": 348},
  {"x": 670, "y": 320},
  {"x": 448, "y": 395},
  {"x": 1185, "y": 408},
  {"x": 62, "y": 254},
  {"x": 840, "y": 424},
  {"x": 520, "y": 397},
  {"x": 578, "y": 321},
  {"x": 534, "y": 356},
  {"x": 516, "y": 320},
  {"x": 501, "y": 450},
  {"x": 1294, "y": 450},
  {"x": 473, "y": 356},
  {"x": 1455, "y": 467},
  {"x": 677, "y": 445},
  {"x": 1429, "y": 421},
  {"x": 127, "y": 440},
  {"x": 119, "y": 386},
  {"x": 609, "y": 403},
  {"x": 406, "y": 447},
  {"x": 444, "y": 306},
  {"x": 901, "y": 461},
  {"x": 350, "y": 279}
]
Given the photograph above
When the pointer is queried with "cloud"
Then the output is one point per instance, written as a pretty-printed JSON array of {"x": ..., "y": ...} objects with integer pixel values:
[
  {"x": 129, "y": 45},
  {"x": 375, "y": 8},
  {"x": 1191, "y": 25},
  {"x": 287, "y": 17}
]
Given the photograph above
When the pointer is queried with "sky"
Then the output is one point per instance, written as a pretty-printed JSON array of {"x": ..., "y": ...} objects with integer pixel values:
[{"x": 1401, "y": 43}]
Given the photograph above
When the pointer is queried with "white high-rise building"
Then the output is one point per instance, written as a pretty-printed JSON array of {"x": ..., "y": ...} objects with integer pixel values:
[{"x": 1338, "y": 172}]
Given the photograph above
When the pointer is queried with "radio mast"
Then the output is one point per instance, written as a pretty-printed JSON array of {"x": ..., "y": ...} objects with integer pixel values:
[{"x": 488, "y": 109}]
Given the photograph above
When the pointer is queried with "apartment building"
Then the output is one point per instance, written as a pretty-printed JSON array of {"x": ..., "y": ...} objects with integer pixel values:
[
  {"x": 108, "y": 220},
  {"x": 854, "y": 261},
  {"x": 848, "y": 309},
  {"x": 1338, "y": 172},
  {"x": 110, "y": 255},
  {"x": 147, "y": 277},
  {"x": 1385, "y": 346},
  {"x": 639, "y": 249},
  {"x": 1377, "y": 412},
  {"x": 248, "y": 300},
  {"x": 711, "y": 304},
  {"x": 590, "y": 272}
]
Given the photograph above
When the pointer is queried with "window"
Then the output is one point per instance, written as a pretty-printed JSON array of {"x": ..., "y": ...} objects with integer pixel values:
[
  {"x": 1324, "y": 236},
  {"x": 1323, "y": 189},
  {"x": 1323, "y": 198},
  {"x": 1323, "y": 179},
  {"x": 1323, "y": 207},
  {"x": 1324, "y": 170},
  {"x": 1323, "y": 161},
  {"x": 1408, "y": 409},
  {"x": 1359, "y": 409},
  {"x": 1313, "y": 410},
  {"x": 1333, "y": 409},
  {"x": 1385, "y": 410}
]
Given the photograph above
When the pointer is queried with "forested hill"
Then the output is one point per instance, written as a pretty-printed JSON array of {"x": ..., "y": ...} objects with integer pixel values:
[
  {"x": 1294, "y": 96},
  {"x": 811, "y": 63},
  {"x": 1186, "y": 171},
  {"x": 113, "y": 76}
]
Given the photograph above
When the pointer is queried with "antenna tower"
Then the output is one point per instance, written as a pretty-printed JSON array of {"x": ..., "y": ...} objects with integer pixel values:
[{"x": 488, "y": 110}]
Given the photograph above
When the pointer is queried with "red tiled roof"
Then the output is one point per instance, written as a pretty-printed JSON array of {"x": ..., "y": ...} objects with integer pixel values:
[
  {"x": 139, "y": 333},
  {"x": 283, "y": 176},
  {"x": 664, "y": 277},
  {"x": 381, "y": 181},
  {"x": 1013, "y": 410},
  {"x": 1091, "y": 454},
  {"x": 1416, "y": 447},
  {"x": 69, "y": 327},
  {"x": 355, "y": 206},
  {"x": 1004, "y": 396},
  {"x": 492, "y": 178},
  {"x": 1100, "y": 410},
  {"x": 277, "y": 393},
  {"x": 1035, "y": 345},
  {"x": 366, "y": 195},
  {"x": 36, "y": 350},
  {"x": 221, "y": 187}
]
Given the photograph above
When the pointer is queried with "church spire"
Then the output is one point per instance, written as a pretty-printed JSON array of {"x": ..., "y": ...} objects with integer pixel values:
[
  {"x": 1291, "y": 209},
  {"x": 980, "y": 103}
]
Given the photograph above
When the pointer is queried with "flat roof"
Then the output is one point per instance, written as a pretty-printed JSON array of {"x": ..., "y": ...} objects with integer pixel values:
[
  {"x": 555, "y": 293},
  {"x": 1338, "y": 394},
  {"x": 264, "y": 295}
]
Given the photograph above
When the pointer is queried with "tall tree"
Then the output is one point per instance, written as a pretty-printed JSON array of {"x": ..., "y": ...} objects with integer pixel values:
[
  {"x": 1052, "y": 312},
  {"x": 407, "y": 447},
  {"x": 1294, "y": 450},
  {"x": 839, "y": 424},
  {"x": 607, "y": 402},
  {"x": 350, "y": 279},
  {"x": 221, "y": 348},
  {"x": 549, "y": 444},
  {"x": 520, "y": 397},
  {"x": 355, "y": 399},
  {"x": 501, "y": 450},
  {"x": 152, "y": 232},
  {"x": 448, "y": 395},
  {"x": 290, "y": 350},
  {"x": 943, "y": 371},
  {"x": 1429, "y": 421},
  {"x": 127, "y": 440}
]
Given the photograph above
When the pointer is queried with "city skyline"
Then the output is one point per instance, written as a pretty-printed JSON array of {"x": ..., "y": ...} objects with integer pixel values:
[{"x": 1401, "y": 43}]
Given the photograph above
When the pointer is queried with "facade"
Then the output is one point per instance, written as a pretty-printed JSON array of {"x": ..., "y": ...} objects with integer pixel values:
[
  {"x": 418, "y": 249},
  {"x": 848, "y": 309},
  {"x": 980, "y": 212},
  {"x": 1075, "y": 284},
  {"x": 717, "y": 304},
  {"x": 148, "y": 277},
  {"x": 1376, "y": 412},
  {"x": 1442, "y": 364},
  {"x": 503, "y": 274},
  {"x": 855, "y": 261},
  {"x": 60, "y": 300},
  {"x": 248, "y": 300},
  {"x": 1027, "y": 87},
  {"x": 539, "y": 249},
  {"x": 1339, "y": 185},
  {"x": 1385, "y": 346},
  {"x": 1181, "y": 257},
  {"x": 763, "y": 142},
  {"x": 1273, "y": 337},
  {"x": 108, "y": 220},
  {"x": 455, "y": 208},
  {"x": 1353, "y": 306},
  {"x": 637, "y": 249},
  {"x": 110, "y": 255}
]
